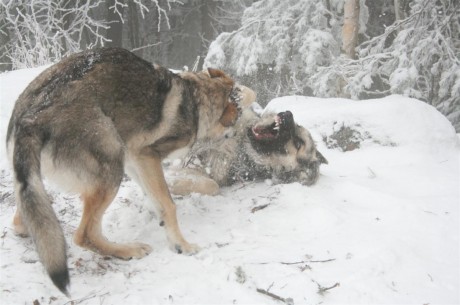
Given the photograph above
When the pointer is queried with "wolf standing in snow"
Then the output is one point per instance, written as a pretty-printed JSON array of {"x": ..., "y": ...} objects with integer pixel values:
[{"x": 90, "y": 117}]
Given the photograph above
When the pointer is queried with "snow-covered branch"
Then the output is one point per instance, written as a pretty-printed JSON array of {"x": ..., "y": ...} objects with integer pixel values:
[
  {"x": 293, "y": 47},
  {"x": 42, "y": 31}
]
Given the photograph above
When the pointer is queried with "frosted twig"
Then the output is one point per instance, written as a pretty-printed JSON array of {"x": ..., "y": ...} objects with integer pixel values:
[
  {"x": 115, "y": 9},
  {"x": 146, "y": 46},
  {"x": 299, "y": 262},
  {"x": 310, "y": 261},
  {"x": 259, "y": 207},
  {"x": 89, "y": 296},
  {"x": 322, "y": 290},
  {"x": 288, "y": 301}
]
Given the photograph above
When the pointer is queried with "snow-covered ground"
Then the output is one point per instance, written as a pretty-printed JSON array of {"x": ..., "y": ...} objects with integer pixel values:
[{"x": 381, "y": 226}]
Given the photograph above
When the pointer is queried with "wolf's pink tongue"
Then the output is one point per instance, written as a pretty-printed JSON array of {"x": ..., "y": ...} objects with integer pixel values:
[{"x": 262, "y": 133}]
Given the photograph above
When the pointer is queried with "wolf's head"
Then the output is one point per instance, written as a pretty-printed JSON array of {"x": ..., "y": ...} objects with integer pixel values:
[
  {"x": 276, "y": 142},
  {"x": 220, "y": 102}
]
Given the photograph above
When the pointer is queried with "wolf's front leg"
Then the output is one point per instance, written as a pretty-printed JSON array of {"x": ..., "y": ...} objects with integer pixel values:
[{"x": 150, "y": 173}]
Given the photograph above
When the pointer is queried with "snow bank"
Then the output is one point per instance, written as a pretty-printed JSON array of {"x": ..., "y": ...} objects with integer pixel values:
[{"x": 393, "y": 120}]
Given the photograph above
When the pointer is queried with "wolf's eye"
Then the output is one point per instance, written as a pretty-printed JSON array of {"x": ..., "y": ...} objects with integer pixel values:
[{"x": 298, "y": 143}]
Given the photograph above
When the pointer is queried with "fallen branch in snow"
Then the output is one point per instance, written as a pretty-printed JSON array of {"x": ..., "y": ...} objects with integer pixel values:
[
  {"x": 241, "y": 187},
  {"x": 5, "y": 195},
  {"x": 89, "y": 296},
  {"x": 299, "y": 262},
  {"x": 310, "y": 261},
  {"x": 303, "y": 268},
  {"x": 272, "y": 195},
  {"x": 259, "y": 207},
  {"x": 288, "y": 301},
  {"x": 322, "y": 290}
]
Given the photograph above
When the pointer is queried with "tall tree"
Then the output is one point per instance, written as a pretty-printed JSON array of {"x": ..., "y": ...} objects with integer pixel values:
[
  {"x": 350, "y": 28},
  {"x": 208, "y": 33},
  {"x": 115, "y": 10},
  {"x": 280, "y": 45},
  {"x": 133, "y": 25},
  {"x": 418, "y": 56},
  {"x": 401, "y": 9}
]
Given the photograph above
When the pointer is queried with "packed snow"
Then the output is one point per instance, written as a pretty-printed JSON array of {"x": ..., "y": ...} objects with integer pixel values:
[{"x": 381, "y": 226}]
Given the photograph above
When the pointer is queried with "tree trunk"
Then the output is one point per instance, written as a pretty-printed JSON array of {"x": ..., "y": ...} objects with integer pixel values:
[
  {"x": 401, "y": 9},
  {"x": 350, "y": 28},
  {"x": 399, "y": 12},
  {"x": 207, "y": 30},
  {"x": 133, "y": 25},
  {"x": 115, "y": 32},
  {"x": 206, "y": 10}
]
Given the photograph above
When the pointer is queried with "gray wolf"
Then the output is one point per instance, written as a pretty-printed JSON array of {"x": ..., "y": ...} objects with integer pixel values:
[
  {"x": 86, "y": 120},
  {"x": 271, "y": 146}
]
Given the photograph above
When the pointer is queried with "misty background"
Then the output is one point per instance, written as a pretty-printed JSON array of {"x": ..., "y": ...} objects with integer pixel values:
[{"x": 356, "y": 49}]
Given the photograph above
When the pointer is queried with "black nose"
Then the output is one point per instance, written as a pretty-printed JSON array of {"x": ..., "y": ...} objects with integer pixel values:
[{"x": 286, "y": 117}]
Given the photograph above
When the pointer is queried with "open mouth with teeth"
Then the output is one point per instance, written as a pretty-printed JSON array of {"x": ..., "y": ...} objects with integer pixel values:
[{"x": 270, "y": 131}]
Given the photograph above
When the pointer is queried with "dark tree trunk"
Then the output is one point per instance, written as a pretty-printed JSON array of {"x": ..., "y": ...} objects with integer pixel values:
[
  {"x": 115, "y": 32},
  {"x": 133, "y": 25}
]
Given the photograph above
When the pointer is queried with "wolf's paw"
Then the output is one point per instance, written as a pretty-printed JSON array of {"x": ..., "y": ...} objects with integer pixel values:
[
  {"x": 134, "y": 250},
  {"x": 186, "y": 248}
]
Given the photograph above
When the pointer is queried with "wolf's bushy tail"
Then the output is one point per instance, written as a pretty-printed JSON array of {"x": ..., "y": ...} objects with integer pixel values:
[{"x": 35, "y": 207}]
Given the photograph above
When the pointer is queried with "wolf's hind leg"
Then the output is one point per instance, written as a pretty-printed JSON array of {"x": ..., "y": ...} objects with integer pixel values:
[
  {"x": 189, "y": 183},
  {"x": 89, "y": 233}
]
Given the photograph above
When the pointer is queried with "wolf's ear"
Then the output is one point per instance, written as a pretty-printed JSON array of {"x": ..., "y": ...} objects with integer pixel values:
[
  {"x": 248, "y": 96},
  {"x": 321, "y": 158},
  {"x": 216, "y": 73}
]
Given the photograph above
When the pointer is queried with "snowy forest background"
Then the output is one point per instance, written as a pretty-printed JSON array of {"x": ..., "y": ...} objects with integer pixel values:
[{"x": 356, "y": 49}]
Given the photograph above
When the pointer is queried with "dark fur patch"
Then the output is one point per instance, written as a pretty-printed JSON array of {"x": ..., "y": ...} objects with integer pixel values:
[
  {"x": 61, "y": 279},
  {"x": 230, "y": 115}
]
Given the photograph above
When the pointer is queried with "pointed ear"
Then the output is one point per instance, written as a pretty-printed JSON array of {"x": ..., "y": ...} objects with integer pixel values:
[
  {"x": 216, "y": 73},
  {"x": 248, "y": 96},
  {"x": 229, "y": 116},
  {"x": 321, "y": 158}
]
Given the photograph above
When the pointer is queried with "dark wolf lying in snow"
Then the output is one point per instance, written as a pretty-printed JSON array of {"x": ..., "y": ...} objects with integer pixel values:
[{"x": 271, "y": 146}]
